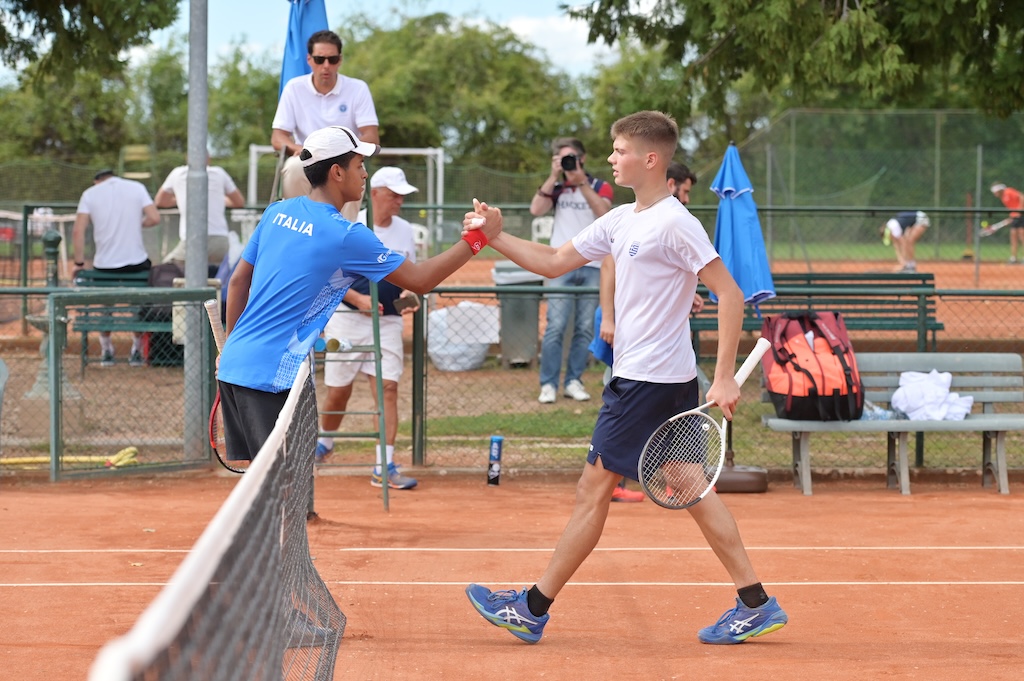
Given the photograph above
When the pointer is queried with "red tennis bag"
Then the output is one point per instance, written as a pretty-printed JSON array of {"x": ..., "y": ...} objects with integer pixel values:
[{"x": 810, "y": 372}]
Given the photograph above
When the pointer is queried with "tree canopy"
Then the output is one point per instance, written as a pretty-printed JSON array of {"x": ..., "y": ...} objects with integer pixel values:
[
  {"x": 476, "y": 89},
  {"x": 888, "y": 50},
  {"x": 62, "y": 36}
]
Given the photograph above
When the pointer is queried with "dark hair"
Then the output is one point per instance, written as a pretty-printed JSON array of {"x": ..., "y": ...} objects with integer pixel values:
[
  {"x": 678, "y": 172},
  {"x": 560, "y": 142},
  {"x": 323, "y": 37},
  {"x": 317, "y": 173}
]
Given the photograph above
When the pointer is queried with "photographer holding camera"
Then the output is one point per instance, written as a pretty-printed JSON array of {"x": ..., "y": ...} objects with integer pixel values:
[{"x": 577, "y": 198}]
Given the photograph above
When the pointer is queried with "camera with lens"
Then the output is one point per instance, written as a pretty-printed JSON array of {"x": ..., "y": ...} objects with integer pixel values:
[{"x": 569, "y": 162}]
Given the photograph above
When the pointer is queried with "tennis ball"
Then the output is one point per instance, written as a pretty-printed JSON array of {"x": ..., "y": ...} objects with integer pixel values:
[{"x": 984, "y": 223}]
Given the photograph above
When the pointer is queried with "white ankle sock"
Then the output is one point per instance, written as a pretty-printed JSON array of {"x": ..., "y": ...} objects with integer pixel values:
[{"x": 389, "y": 453}]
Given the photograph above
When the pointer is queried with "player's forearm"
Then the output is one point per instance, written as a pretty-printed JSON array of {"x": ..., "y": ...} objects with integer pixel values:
[
  {"x": 730, "y": 326},
  {"x": 536, "y": 257},
  {"x": 606, "y": 294},
  {"x": 283, "y": 138},
  {"x": 78, "y": 238}
]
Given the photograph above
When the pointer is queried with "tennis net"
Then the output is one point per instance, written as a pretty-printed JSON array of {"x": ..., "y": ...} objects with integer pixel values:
[{"x": 247, "y": 602}]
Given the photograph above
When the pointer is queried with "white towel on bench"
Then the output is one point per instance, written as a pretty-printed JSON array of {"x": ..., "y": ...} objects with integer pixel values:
[{"x": 926, "y": 397}]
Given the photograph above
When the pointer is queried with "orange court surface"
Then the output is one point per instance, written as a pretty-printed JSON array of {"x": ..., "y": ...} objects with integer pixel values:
[{"x": 876, "y": 584}]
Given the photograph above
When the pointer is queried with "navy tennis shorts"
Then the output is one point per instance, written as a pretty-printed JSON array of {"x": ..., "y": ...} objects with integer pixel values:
[{"x": 632, "y": 411}]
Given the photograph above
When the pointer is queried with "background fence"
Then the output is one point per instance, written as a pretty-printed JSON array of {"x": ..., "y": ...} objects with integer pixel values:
[{"x": 825, "y": 181}]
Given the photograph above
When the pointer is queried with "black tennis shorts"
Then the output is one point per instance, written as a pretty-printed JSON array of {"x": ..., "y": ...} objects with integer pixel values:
[
  {"x": 249, "y": 417},
  {"x": 631, "y": 412}
]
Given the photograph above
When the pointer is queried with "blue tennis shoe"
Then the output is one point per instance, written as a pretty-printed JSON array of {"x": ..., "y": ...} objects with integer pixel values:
[
  {"x": 508, "y": 610},
  {"x": 322, "y": 452},
  {"x": 741, "y": 623}
]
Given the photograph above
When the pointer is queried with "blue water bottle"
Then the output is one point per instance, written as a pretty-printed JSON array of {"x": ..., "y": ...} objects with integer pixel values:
[{"x": 494, "y": 461}]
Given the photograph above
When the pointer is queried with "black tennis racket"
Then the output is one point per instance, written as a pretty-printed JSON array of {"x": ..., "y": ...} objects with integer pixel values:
[
  {"x": 216, "y": 423},
  {"x": 682, "y": 460}
]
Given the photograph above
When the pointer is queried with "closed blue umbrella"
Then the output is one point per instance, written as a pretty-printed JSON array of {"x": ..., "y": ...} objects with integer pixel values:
[
  {"x": 306, "y": 18},
  {"x": 739, "y": 241},
  {"x": 738, "y": 237}
]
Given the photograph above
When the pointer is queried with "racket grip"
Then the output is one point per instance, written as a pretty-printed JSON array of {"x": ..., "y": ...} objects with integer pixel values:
[
  {"x": 753, "y": 358},
  {"x": 213, "y": 312}
]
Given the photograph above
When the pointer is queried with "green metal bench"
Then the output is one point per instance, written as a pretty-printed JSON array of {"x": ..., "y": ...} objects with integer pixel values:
[
  {"x": 854, "y": 278},
  {"x": 112, "y": 318},
  {"x": 865, "y": 307},
  {"x": 994, "y": 380}
]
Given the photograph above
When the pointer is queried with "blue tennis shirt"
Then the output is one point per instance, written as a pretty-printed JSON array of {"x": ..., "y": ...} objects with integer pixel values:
[{"x": 305, "y": 255}]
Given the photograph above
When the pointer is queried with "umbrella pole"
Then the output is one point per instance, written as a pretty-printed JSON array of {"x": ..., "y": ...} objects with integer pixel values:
[{"x": 739, "y": 478}]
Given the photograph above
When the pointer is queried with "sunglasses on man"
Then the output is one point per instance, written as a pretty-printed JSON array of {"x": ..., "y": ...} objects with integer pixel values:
[{"x": 318, "y": 60}]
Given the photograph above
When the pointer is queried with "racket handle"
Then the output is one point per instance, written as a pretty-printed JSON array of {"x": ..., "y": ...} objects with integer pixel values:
[
  {"x": 213, "y": 312},
  {"x": 753, "y": 358}
]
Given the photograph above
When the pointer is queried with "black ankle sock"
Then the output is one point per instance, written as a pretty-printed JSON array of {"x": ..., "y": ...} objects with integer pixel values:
[
  {"x": 753, "y": 596},
  {"x": 537, "y": 602}
]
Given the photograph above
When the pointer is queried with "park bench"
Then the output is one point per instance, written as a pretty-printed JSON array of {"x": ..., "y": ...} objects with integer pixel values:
[
  {"x": 120, "y": 317},
  {"x": 864, "y": 306},
  {"x": 994, "y": 380}
]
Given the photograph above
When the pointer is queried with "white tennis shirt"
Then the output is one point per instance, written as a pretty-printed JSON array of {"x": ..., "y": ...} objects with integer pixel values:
[
  {"x": 657, "y": 254},
  {"x": 220, "y": 185},
  {"x": 115, "y": 208}
]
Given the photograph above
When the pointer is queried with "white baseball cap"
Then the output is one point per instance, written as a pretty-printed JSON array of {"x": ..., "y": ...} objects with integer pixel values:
[
  {"x": 332, "y": 142},
  {"x": 998, "y": 187},
  {"x": 394, "y": 179}
]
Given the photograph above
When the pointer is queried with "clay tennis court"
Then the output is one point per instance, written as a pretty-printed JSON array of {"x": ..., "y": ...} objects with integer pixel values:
[{"x": 876, "y": 584}]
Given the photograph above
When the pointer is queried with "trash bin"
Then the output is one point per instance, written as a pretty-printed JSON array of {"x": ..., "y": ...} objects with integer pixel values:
[
  {"x": 519, "y": 314},
  {"x": 458, "y": 337}
]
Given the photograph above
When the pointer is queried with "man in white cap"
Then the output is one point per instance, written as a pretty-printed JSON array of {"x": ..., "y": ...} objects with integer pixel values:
[
  {"x": 353, "y": 322},
  {"x": 1013, "y": 200},
  {"x": 293, "y": 273}
]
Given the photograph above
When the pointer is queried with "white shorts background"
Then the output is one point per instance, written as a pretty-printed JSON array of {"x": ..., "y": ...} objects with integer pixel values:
[{"x": 341, "y": 368}]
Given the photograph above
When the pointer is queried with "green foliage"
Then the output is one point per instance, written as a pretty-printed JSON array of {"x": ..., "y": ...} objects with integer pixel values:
[
  {"x": 885, "y": 51},
  {"x": 475, "y": 89},
  {"x": 161, "y": 88},
  {"x": 243, "y": 99},
  {"x": 67, "y": 35},
  {"x": 74, "y": 122}
]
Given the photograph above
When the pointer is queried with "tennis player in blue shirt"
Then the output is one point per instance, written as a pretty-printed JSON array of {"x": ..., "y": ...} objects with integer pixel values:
[{"x": 300, "y": 261}]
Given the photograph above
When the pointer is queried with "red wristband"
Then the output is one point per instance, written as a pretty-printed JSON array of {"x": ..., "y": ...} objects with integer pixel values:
[{"x": 476, "y": 240}]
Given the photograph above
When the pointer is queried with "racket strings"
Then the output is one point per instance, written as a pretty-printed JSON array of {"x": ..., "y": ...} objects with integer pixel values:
[{"x": 682, "y": 459}]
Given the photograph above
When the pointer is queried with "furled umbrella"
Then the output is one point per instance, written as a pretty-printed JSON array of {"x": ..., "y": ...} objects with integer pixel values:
[{"x": 739, "y": 241}]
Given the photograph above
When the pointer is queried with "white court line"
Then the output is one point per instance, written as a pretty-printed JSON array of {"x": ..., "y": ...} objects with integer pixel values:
[
  {"x": 631, "y": 549},
  {"x": 80, "y": 584},
  {"x": 527, "y": 581},
  {"x": 95, "y": 550},
  {"x": 398, "y": 549}
]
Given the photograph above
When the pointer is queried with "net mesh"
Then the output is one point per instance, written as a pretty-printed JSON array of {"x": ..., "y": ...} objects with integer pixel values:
[{"x": 247, "y": 602}]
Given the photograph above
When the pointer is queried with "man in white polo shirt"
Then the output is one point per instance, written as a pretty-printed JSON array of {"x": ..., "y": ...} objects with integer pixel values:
[
  {"x": 118, "y": 210},
  {"x": 315, "y": 101},
  {"x": 223, "y": 193}
]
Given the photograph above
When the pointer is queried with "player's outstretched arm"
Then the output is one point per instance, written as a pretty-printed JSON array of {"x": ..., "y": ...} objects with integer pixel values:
[{"x": 422, "y": 277}]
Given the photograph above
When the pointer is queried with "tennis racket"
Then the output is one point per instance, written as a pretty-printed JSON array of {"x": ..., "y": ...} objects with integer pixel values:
[
  {"x": 216, "y": 423},
  {"x": 682, "y": 460},
  {"x": 988, "y": 230}
]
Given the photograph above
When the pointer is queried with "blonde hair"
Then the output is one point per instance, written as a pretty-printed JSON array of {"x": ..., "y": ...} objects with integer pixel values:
[{"x": 657, "y": 129}]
